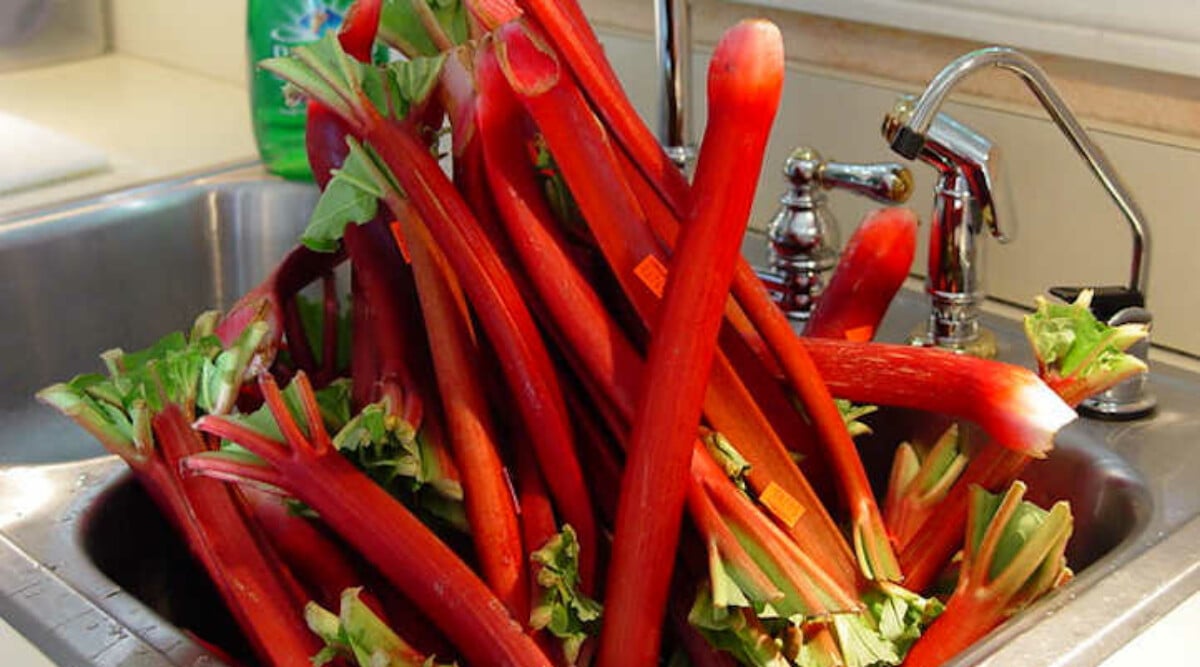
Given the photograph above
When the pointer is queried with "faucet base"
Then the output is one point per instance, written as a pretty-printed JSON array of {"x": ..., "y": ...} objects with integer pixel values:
[
  {"x": 1104, "y": 408},
  {"x": 982, "y": 344},
  {"x": 954, "y": 325}
]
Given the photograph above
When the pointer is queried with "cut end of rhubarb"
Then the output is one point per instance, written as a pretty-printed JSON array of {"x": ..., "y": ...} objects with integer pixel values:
[
  {"x": 1034, "y": 414},
  {"x": 491, "y": 14},
  {"x": 528, "y": 61}
]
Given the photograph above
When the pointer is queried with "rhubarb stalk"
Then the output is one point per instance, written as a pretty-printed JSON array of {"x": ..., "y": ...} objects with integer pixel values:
[
  {"x": 1013, "y": 555},
  {"x": 489, "y": 286},
  {"x": 745, "y": 85},
  {"x": 416, "y": 562}
]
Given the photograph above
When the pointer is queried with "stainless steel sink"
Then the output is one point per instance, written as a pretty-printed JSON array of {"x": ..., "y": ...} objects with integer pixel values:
[{"x": 92, "y": 575}]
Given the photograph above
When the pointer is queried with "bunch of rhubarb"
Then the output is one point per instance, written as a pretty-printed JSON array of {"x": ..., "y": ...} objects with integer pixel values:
[{"x": 554, "y": 418}]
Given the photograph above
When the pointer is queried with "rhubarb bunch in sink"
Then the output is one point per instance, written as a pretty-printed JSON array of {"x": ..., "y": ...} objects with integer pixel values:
[{"x": 516, "y": 399}]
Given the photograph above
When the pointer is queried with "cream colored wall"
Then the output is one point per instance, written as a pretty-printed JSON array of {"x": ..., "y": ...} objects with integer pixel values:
[
  {"x": 842, "y": 77},
  {"x": 203, "y": 36}
]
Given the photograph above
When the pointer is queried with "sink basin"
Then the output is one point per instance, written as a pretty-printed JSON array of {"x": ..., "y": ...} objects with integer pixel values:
[{"x": 96, "y": 578}]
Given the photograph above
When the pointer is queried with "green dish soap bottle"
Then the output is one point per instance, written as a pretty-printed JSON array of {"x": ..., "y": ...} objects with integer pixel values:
[{"x": 273, "y": 28}]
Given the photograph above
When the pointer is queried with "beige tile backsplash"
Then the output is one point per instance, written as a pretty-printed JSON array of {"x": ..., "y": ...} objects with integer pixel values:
[{"x": 842, "y": 78}]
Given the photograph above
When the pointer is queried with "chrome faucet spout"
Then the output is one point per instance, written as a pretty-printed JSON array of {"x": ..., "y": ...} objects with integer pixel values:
[
  {"x": 908, "y": 135},
  {"x": 673, "y": 51}
]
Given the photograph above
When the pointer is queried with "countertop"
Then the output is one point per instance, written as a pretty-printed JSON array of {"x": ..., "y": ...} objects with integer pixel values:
[
  {"x": 133, "y": 110},
  {"x": 152, "y": 121}
]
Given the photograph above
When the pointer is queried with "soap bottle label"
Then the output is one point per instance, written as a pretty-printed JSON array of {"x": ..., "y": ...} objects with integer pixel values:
[{"x": 274, "y": 28}]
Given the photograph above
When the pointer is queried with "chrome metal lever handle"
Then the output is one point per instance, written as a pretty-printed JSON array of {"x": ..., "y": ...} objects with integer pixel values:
[
  {"x": 885, "y": 182},
  {"x": 804, "y": 243}
]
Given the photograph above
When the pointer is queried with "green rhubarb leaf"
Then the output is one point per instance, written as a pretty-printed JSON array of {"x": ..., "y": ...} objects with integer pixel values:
[
  {"x": 221, "y": 377},
  {"x": 1014, "y": 531},
  {"x": 1016, "y": 550},
  {"x": 167, "y": 371},
  {"x": 383, "y": 445},
  {"x": 411, "y": 82},
  {"x": 405, "y": 25},
  {"x": 561, "y": 608},
  {"x": 736, "y": 631},
  {"x": 861, "y": 643},
  {"x": 357, "y": 632},
  {"x": 892, "y": 620},
  {"x": 919, "y": 481},
  {"x": 809, "y": 654},
  {"x": 320, "y": 71},
  {"x": 175, "y": 370},
  {"x": 851, "y": 414},
  {"x": 404, "y": 462},
  {"x": 351, "y": 196},
  {"x": 334, "y": 401},
  {"x": 725, "y": 589},
  {"x": 1070, "y": 342},
  {"x": 900, "y": 615},
  {"x": 112, "y": 427},
  {"x": 325, "y": 624}
]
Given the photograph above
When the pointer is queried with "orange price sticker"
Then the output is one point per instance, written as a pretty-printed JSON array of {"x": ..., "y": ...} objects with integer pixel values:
[
  {"x": 653, "y": 274},
  {"x": 781, "y": 503},
  {"x": 861, "y": 334}
]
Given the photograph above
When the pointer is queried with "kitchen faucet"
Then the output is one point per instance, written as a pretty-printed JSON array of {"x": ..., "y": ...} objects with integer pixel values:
[{"x": 967, "y": 202}]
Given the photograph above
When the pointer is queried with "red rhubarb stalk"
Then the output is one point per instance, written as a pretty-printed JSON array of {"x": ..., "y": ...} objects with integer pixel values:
[
  {"x": 745, "y": 85},
  {"x": 591, "y": 169},
  {"x": 924, "y": 555},
  {"x": 274, "y": 301},
  {"x": 569, "y": 31},
  {"x": 319, "y": 562},
  {"x": 598, "y": 340},
  {"x": 411, "y": 557},
  {"x": 1016, "y": 408},
  {"x": 490, "y": 508},
  {"x": 388, "y": 323},
  {"x": 873, "y": 266},
  {"x": 143, "y": 413},
  {"x": 259, "y": 595},
  {"x": 505, "y": 318},
  {"x": 872, "y": 545},
  {"x": 325, "y": 133},
  {"x": 359, "y": 27},
  {"x": 570, "y": 299}
]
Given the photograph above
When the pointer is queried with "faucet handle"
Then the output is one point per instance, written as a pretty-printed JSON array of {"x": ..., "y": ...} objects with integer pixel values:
[
  {"x": 886, "y": 182},
  {"x": 803, "y": 234}
]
